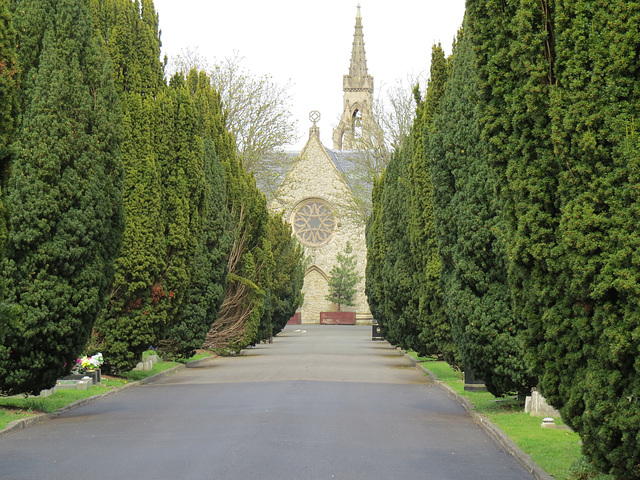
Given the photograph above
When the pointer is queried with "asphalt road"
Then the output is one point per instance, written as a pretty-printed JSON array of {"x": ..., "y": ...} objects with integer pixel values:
[{"x": 321, "y": 402}]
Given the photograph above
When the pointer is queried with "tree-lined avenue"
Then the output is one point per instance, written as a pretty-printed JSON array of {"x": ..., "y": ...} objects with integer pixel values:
[{"x": 320, "y": 402}]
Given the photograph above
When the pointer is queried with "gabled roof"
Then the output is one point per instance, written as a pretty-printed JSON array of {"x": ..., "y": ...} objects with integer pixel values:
[
  {"x": 346, "y": 162},
  {"x": 348, "y": 165}
]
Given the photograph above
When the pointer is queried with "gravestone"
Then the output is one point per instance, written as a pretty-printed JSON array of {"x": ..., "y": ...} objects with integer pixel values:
[
  {"x": 536, "y": 406},
  {"x": 473, "y": 384},
  {"x": 73, "y": 384}
]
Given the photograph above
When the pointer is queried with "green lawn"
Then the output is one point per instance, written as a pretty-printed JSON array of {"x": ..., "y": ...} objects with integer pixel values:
[
  {"x": 558, "y": 452},
  {"x": 197, "y": 356},
  {"x": 53, "y": 402},
  {"x": 8, "y": 415}
]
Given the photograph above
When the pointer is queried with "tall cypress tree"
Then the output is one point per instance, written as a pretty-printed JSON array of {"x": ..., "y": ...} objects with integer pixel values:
[
  {"x": 247, "y": 280},
  {"x": 514, "y": 45},
  {"x": 8, "y": 111},
  {"x": 204, "y": 294},
  {"x": 247, "y": 283},
  {"x": 376, "y": 250},
  {"x": 282, "y": 278},
  {"x": 127, "y": 327},
  {"x": 129, "y": 31},
  {"x": 398, "y": 299},
  {"x": 567, "y": 148},
  {"x": 406, "y": 288},
  {"x": 592, "y": 331},
  {"x": 288, "y": 276},
  {"x": 63, "y": 196},
  {"x": 435, "y": 331},
  {"x": 474, "y": 269},
  {"x": 376, "y": 253},
  {"x": 8, "y": 106},
  {"x": 515, "y": 70},
  {"x": 181, "y": 155},
  {"x": 8, "y": 85}
]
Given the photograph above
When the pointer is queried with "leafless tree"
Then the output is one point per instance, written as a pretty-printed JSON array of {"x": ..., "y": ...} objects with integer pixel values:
[
  {"x": 258, "y": 108},
  {"x": 395, "y": 110},
  {"x": 186, "y": 60},
  {"x": 258, "y": 113}
]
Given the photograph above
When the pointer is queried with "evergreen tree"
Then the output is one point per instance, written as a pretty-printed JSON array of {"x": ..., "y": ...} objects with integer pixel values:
[
  {"x": 343, "y": 278},
  {"x": 408, "y": 296},
  {"x": 264, "y": 330},
  {"x": 474, "y": 270},
  {"x": 180, "y": 151},
  {"x": 204, "y": 294},
  {"x": 245, "y": 290},
  {"x": 127, "y": 327},
  {"x": 435, "y": 330},
  {"x": 8, "y": 97},
  {"x": 63, "y": 194},
  {"x": 398, "y": 299},
  {"x": 8, "y": 87},
  {"x": 286, "y": 277},
  {"x": 592, "y": 329},
  {"x": 129, "y": 31},
  {"x": 514, "y": 49},
  {"x": 560, "y": 101},
  {"x": 30, "y": 20},
  {"x": 376, "y": 250}
]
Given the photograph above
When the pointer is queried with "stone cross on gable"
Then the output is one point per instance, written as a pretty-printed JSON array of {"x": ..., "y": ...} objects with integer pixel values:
[{"x": 314, "y": 131}]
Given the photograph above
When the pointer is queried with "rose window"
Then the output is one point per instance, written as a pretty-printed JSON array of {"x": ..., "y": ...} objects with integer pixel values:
[{"x": 314, "y": 222}]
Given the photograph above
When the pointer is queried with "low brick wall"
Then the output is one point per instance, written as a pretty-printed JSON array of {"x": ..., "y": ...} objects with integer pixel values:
[{"x": 338, "y": 318}]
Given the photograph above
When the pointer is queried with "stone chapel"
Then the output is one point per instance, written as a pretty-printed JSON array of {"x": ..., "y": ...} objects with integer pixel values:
[{"x": 318, "y": 201}]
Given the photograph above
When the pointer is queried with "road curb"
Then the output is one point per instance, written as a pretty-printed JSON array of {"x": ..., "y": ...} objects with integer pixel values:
[
  {"x": 43, "y": 417},
  {"x": 498, "y": 435}
]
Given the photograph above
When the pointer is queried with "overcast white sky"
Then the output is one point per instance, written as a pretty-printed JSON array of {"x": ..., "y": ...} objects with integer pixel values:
[{"x": 309, "y": 43}]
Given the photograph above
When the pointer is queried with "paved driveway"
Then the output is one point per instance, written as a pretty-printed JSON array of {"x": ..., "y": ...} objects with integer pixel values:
[{"x": 321, "y": 402}]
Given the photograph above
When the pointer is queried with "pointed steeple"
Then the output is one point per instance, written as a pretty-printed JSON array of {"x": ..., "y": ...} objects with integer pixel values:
[
  {"x": 358, "y": 66},
  {"x": 358, "y": 77},
  {"x": 354, "y": 130}
]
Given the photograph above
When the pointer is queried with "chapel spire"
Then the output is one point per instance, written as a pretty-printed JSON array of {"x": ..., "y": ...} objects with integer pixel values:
[
  {"x": 354, "y": 130},
  {"x": 358, "y": 66}
]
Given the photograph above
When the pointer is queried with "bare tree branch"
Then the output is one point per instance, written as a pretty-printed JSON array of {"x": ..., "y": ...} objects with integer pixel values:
[{"x": 258, "y": 113}]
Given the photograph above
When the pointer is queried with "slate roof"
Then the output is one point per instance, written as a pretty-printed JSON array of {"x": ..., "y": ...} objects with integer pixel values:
[
  {"x": 347, "y": 165},
  {"x": 344, "y": 160}
]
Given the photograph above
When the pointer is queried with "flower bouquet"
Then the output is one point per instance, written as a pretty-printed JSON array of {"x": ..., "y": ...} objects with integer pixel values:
[
  {"x": 88, "y": 366},
  {"x": 86, "y": 363}
]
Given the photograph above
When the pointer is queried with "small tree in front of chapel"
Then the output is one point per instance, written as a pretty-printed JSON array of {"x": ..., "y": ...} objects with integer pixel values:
[{"x": 343, "y": 279}]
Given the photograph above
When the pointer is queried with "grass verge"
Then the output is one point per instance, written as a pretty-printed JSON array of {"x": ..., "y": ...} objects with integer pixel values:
[
  {"x": 197, "y": 356},
  {"x": 8, "y": 415},
  {"x": 558, "y": 452},
  {"x": 18, "y": 407}
]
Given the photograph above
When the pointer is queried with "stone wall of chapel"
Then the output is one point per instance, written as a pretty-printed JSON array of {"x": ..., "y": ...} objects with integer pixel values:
[{"x": 315, "y": 176}]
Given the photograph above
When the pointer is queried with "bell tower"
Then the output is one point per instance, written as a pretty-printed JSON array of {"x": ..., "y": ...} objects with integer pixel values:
[{"x": 354, "y": 130}]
